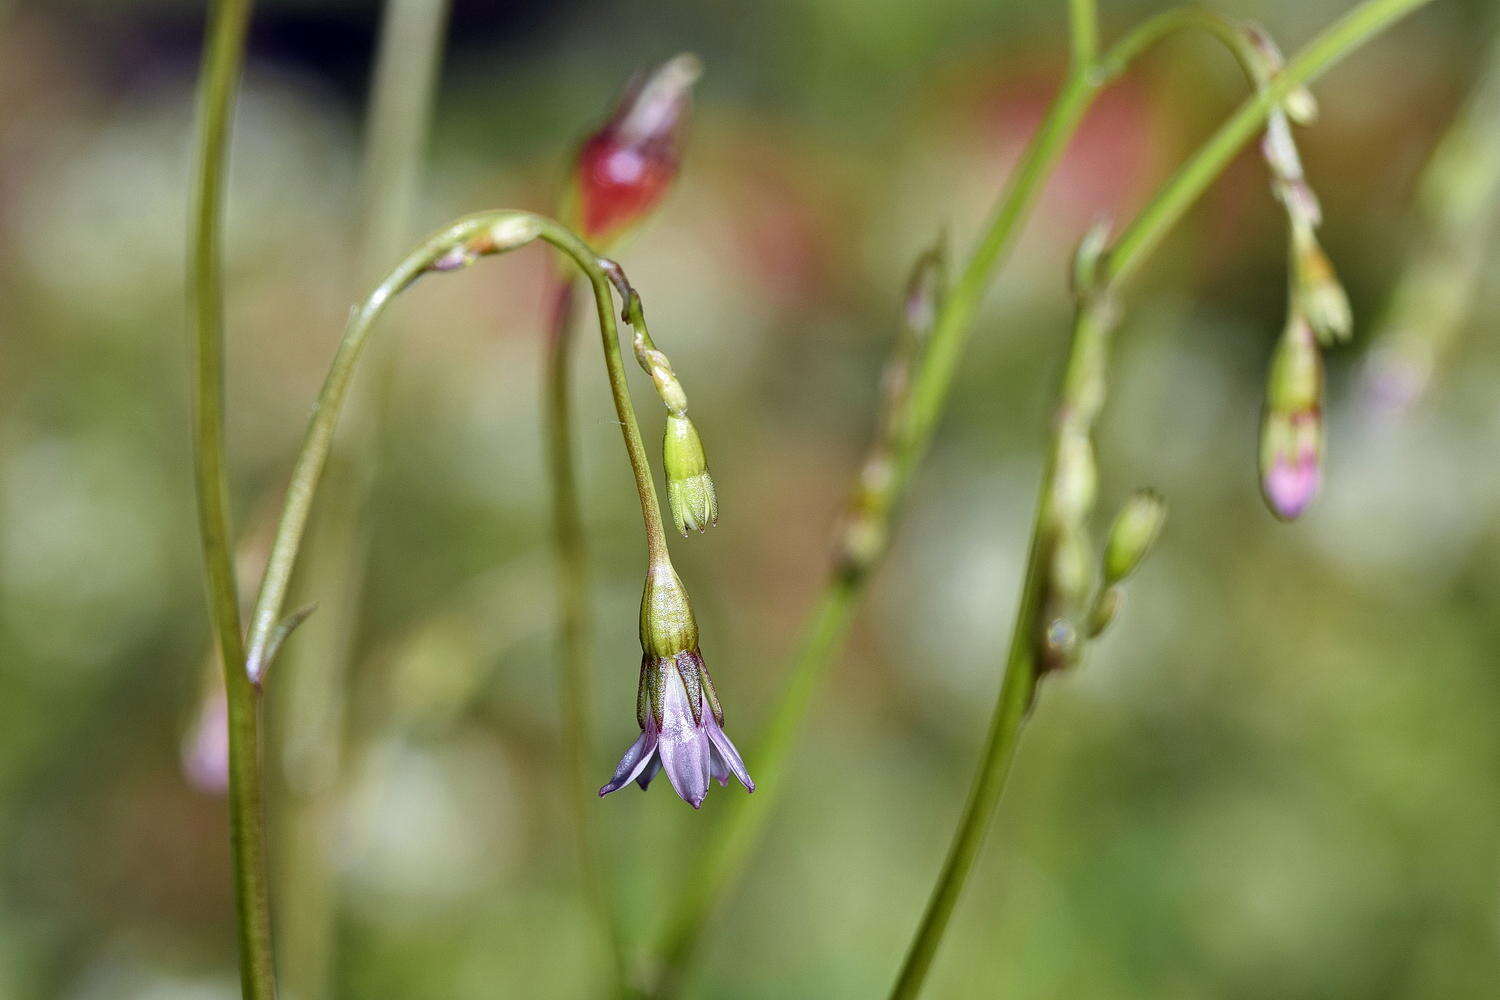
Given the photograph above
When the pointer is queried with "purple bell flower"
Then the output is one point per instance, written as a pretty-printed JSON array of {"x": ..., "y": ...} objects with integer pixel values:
[{"x": 682, "y": 732}]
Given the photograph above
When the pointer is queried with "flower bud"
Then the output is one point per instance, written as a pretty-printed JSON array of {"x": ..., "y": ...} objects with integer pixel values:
[
  {"x": 1075, "y": 478},
  {"x": 1135, "y": 530},
  {"x": 667, "y": 623},
  {"x": 1320, "y": 296},
  {"x": 1291, "y": 437},
  {"x": 625, "y": 167},
  {"x": 690, "y": 489}
]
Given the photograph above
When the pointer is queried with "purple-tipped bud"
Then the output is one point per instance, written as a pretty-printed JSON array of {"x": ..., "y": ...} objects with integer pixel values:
[
  {"x": 625, "y": 168},
  {"x": 677, "y": 706},
  {"x": 1291, "y": 436}
]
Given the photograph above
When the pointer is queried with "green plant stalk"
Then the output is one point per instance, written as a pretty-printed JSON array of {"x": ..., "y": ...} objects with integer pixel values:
[
  {"x": 469, "y": 234},
  {"x": 1129, "y": 252},
  {"x": 311, "y": 701},
  {"x": 218, "y": 82},
  {"x": 572, "y": 596}
]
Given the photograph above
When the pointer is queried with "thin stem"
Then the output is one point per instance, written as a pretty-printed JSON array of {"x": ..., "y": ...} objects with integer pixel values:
[
  {"x": 459, "y": 243},
  {"x": 218, "y": 83},
  {"x": 1151, "y": 31},
  {"x": 1083, "y": 31},
  {"x": 1143, "y": 235},
  {"x": 572, "y": 595}
]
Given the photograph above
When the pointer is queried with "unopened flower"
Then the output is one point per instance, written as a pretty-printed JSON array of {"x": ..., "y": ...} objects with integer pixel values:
[
  {"x": 1135, "y": 530},
  {"x": 625, "y": 167},
  {"x": 1320, "y": 295},
  {"x": 690, "y": 489},
  {"x": 1291, "y": 436},
  {"x": 677, "y": 708}
]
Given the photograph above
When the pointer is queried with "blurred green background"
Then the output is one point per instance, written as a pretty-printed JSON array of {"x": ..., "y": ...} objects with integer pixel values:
[{"x": 1279, "y": 775}]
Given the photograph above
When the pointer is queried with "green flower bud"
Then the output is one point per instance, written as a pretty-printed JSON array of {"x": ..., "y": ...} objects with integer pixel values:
[
  {"x": 690, "y": 489},
  {"x": 1134, "y": 532},
  {"x": 1319, "y": 295},
  {"x": 667, "y": 623},
  {"x": 1075, "y": 478}
]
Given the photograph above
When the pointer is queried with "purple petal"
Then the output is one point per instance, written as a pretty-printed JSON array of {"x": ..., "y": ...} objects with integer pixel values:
[
  {"x": 641, "y": 753},
  {"x": 651, "y": 771},
  {"x": 717, "y": 769},
  {"x": 1291, "y": 485},
  {"x": 724, "y": 749},
  {"x": 683, "y": 744}
]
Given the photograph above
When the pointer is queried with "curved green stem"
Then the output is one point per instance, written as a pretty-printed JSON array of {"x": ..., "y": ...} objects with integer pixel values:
[
  {"x": 1169, "y": 22},
  {"x": 1143, "y": 235},
  {"x": 458, "y": 244},
  {"x": 222, "y": 65},
  {"x": 1338, "y": 40}
]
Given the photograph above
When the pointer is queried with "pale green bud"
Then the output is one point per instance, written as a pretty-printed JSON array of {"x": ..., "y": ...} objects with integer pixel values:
[
  {"x": 1075, "y": 478},
  {"x": 667, "y": 623},
  {"x": 690, "y": 489},
  {"x": 1072, "y": 570},
  {"x": 1319, "y": 293},
  {"x": 1135, "y": 530}
]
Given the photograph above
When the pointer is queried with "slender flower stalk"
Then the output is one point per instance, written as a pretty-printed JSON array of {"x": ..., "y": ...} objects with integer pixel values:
[
  {"x": 1129, "y": 252},
  {"x": 595, "y": 204},
  {"x": 456, "y": 246},
  {"x": 228, "y": 22}
]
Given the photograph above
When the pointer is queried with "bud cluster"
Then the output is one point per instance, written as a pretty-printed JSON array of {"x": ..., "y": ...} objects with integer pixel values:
[
  {"x": 1077, "y": 594},
  {"x": 866, "y": 522},
  {"x": 690, "y": 489},
  {"x": 1291, "y": 442}
]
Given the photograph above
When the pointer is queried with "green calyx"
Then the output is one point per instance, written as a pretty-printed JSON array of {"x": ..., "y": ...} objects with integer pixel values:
[
  {"x": 1134, "y": 532},
  {"x": 667, "y": 623},
  {"x": 1295, "y": 385},
  {"x": 690, "y": 488}
]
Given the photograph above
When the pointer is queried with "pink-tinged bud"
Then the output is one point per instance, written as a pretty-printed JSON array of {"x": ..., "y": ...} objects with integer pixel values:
[
  {"x": 625, "y": 168},
  {"x": 1291, "y": 437}
]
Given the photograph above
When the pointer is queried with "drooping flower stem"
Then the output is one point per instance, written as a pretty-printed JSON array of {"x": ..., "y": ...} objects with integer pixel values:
[
  {"x": 457, "y": 245},
  {"x": 1128, "y": 254},
  {"x": 218, "y": 82}
]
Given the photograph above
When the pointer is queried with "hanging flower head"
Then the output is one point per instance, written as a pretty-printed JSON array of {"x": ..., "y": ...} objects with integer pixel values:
[{"x": 676, "y": 707}]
